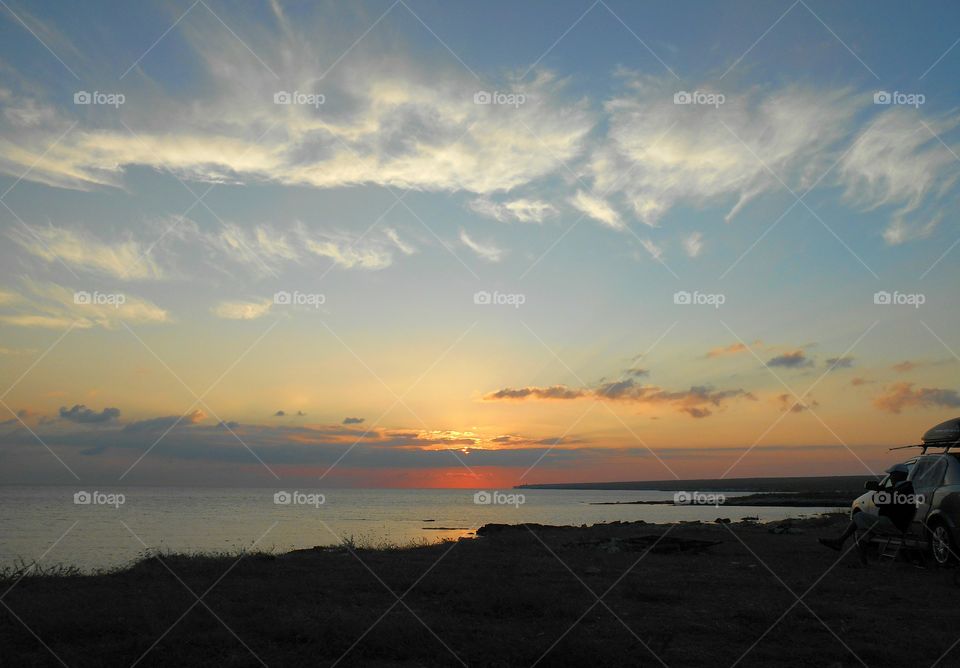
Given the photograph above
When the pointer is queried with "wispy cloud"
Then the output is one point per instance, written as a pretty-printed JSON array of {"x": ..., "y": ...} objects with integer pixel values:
[
  {"x": 389, "y": 122},
  {"x": 732, "y": 349},
  {"x": 693, "y": 244},
  {"x": 598, "y": 209},
  {"x": 349, "y": 255},
  {"x": 485, "y": 251},
  {"x": 49, "y": 305},
  {"x": 241, "y": 310},
  {"x": 402, "y": 246},
  {"x": 121, "y": 259},
  {"x": 521, "y": 210},
  {"x": 653, "y": 249},
  {"x": 268, "y": 249},
  {"x": 898, "y": 160},
  {"x": 700, "y": 154}
]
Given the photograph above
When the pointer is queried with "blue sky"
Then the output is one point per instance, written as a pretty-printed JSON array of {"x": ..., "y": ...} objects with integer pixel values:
[{"x": 587, "y": 188}]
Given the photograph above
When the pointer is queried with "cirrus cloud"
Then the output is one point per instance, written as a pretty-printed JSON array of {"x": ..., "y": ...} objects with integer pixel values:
[{"x": 240, "y": 310}]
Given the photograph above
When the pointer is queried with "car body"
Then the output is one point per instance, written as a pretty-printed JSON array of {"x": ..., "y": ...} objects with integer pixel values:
[{"x": 935, "y": 479}]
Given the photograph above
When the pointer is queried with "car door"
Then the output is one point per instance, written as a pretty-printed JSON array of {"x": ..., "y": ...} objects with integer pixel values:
[{"x": 926, "y": 477}]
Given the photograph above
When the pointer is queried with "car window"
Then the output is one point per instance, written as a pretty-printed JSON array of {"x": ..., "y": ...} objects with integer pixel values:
[
  {"x": 953, "y": 470},
  {"x": 885, "y": 481},
  {"x": 928, "y": 473}
]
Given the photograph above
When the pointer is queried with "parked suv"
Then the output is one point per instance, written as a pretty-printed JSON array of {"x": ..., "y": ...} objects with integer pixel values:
[{"x": 935, "y": 476}]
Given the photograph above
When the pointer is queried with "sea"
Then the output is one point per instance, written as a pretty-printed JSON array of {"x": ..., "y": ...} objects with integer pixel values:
[{"x": 95, "y": 530}]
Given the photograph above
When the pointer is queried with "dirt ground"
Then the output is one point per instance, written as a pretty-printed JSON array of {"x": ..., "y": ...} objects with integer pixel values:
[{"x": 610, "y": 595}]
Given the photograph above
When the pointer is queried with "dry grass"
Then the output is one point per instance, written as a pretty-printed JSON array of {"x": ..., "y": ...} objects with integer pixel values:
[{"x": 504, "y": 600}]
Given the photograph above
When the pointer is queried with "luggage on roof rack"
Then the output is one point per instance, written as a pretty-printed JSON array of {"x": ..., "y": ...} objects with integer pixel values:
[{"x": 945, "y": 435}]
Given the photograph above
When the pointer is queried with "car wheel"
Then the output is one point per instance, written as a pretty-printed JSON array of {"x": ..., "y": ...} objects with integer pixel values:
[{"x": 941, "y": 544}]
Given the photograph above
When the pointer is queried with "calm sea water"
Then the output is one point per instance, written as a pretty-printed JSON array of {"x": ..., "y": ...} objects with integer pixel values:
[{"x": 45, "y": 522}]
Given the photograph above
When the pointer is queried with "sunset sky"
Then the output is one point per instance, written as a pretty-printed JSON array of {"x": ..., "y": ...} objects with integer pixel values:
[{"x": 392, "y": 166}]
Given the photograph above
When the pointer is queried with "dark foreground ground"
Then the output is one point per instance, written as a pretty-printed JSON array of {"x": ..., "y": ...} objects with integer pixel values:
[{"x": 517, "y": 596}]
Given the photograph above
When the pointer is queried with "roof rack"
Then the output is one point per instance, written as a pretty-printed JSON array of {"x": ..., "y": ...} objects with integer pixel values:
[{"x": 946, "y": 445}]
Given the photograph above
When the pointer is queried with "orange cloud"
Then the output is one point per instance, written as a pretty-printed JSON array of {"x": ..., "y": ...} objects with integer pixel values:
[
  {"x": 695, "y": 402},
  {"x": 905, "y": 366},
  {"x": 724, "y": 351},
  {"x": 898, "y": 396},
  {"x": 552, "y": 392},
  {"x": 790, "y": 403}
]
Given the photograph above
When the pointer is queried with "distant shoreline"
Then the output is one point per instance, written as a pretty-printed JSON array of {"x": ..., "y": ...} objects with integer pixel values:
[
  {"x": 838, "y": 485},
  {"x": 762, "y": 500}
]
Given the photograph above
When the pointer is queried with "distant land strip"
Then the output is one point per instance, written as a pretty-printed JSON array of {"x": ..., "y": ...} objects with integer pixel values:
[{"x": 839, "y": 484}]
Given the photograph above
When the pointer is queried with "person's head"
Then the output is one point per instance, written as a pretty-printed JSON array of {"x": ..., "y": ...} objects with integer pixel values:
[
  {"x": 897, "y": 477},
  {"x": 898, "y": 473}
]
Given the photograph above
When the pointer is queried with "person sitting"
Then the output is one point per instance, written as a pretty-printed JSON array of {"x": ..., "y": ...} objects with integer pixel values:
[{"x": 895, "y": 510}]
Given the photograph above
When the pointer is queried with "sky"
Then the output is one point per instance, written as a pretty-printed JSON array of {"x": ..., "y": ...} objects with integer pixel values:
[{"x": 433, "y": 244}]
